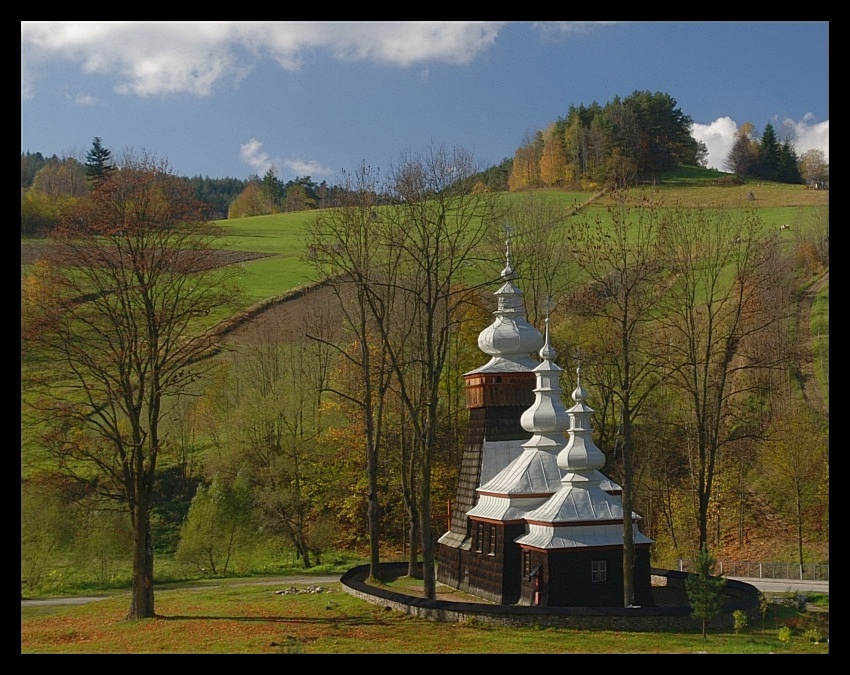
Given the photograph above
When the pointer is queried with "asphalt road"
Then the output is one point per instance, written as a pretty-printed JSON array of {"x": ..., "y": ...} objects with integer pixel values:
[
  {"x": 786, "y": 585},
  {"x": 765, "y": 585},
  {"x": 284, "y": 582}
]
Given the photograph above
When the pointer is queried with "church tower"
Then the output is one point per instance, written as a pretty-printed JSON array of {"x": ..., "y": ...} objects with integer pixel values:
[{"x": 497, "y": 394}]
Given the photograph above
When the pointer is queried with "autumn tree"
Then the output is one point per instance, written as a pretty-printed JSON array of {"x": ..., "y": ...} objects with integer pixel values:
[
  {"x": 814, "y": 168},
  {"x": 793, "y": 467},
  {"x": 113, "y": 338},
  {"x": 64, "y": 180},
  {"x": 525, "y": 170},
  {"x": 716, "y": 308},
  {"x": 743, "y": 157},
  {"x": 552, "y": 156},
  {"x": 622, "y": 265},
  {"x": 252, "y": 201}
]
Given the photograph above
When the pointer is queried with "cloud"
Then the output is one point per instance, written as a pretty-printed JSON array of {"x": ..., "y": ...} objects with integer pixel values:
[
  {"x": 719, "y": 136},
  {"x": 160, "y": 58},
  {"x": 311, "y": 168},
  {"x": 252, "y": 154},
  {"x": 557, "y": 30},
  {"x": 809, "y": 135}
]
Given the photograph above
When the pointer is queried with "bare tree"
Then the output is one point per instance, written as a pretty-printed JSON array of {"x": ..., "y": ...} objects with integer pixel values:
[
  {"x": 434, "y": 225},
  {"x": 538, "y": 231},
  {"x": 717, "y": 307},
  {"x": 621, "y": 262},
  {"x": 113, "y": 337},
  {"x": 345, "y": 245}
]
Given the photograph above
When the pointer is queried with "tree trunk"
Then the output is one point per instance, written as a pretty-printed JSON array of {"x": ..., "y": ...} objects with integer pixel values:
[
  {"x": 628, "y": 529},
  {"x": 142, "y": 600}
]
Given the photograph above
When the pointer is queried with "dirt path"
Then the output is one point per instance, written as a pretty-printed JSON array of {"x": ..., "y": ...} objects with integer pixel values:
[{"x": 805, "y": 368}]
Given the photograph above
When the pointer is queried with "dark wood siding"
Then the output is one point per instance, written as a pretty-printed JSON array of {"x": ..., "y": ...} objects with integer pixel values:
[{"x": 566, "y": 578}]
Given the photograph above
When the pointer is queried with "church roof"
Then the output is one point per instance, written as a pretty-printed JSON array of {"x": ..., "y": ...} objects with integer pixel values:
[{"x": 510, "y": 340}]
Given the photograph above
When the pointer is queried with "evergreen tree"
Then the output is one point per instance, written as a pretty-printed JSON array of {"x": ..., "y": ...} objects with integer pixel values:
[
  {"x": 768, "y": 164},
  {"x": 789, "y": 171},
  {"x": 705, "y": 591},
  {"x": 98, "y": 161},
  {"x": 272, "y": 189}
]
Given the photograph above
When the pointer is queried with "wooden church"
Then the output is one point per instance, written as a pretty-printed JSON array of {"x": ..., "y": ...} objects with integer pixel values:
[{"x": 535, "y": 522}]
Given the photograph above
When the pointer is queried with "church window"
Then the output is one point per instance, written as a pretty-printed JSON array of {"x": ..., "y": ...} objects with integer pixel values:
[{"x": 598, "y": 571}]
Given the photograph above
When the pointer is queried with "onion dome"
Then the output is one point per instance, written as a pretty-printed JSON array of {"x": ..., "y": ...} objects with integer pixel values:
[
  {"x": 510, "y": 340},
  {"x": 581, "y": 453}
]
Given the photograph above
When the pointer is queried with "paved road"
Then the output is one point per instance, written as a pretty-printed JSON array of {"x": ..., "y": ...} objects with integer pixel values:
[
  {"x": 765, "y": 585},
  {"x": 267, "y": 581},
  {"x": 786, "y": 585}
]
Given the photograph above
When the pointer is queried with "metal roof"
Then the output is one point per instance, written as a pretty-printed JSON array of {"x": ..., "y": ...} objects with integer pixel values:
[{"x": 577, "y": 536}]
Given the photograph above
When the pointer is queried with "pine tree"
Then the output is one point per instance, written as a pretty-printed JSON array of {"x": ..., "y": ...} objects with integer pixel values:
[
  {"x": 98, "y": 161},
  {"x": 705, "y": 591}
]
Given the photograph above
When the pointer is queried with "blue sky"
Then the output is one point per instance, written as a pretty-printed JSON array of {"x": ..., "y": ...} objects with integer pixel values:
[{"x": 231, "y": 99}]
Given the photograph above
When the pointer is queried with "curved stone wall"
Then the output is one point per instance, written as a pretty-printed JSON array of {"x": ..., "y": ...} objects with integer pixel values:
[{"x": 664, "y": 617}]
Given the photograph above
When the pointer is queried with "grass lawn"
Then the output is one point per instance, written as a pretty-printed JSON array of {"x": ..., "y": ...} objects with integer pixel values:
[{"x": 255, "y": 619}]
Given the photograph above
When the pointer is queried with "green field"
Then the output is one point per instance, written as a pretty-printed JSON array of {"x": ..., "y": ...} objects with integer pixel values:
[{"x": 254, "y": 619}]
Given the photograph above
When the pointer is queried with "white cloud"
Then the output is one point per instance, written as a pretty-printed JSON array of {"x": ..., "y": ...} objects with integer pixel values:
[
  {"x": 311, "y": 168},
  {"x": 252, "y": 154},
  {"x": 84, "y": 99},
  {"x": 809, "y": 135},
  {"x": 720, "y": 135},
  {"x": 718, "y": 138},
  {"x": 156, "y": 58}
]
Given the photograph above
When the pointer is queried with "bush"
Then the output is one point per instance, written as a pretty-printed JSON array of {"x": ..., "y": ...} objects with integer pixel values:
[
  {"x": 813, "y": 635},
  {"x": 785, "y": 634},
  {"x": 740, "y": 620}
]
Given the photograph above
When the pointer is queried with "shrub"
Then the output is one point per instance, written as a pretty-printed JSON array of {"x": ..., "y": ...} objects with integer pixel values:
[
  {"x": 740, "y": 620},
  {"x": 813, "y": 635},
  {"x": 785, "y": 634}
]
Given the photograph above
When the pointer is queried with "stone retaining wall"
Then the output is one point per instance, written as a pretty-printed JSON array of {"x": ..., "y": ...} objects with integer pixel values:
[{"x": 661, "y": 618}]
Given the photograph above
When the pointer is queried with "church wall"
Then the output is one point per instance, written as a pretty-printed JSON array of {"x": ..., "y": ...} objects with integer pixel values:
[
  {"x": 567, "y": 578},
  {"x": 490, "y": 569}
]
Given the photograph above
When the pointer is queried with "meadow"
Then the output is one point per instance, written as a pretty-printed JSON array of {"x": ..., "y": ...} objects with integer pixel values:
[{"x": 236, "y": 617}]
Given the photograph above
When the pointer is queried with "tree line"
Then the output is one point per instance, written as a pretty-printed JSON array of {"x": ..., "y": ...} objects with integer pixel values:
[
  {"x": 637, "y": 139},
  {"x": 619, "y": 144}
]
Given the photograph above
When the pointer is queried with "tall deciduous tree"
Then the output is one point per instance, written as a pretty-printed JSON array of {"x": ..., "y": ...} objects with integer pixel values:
[
  {"x": 435, "y": 224},
  {"x": 717, "y": 307},
  {"x": 346, "y": 246},
  {"x": 623, "y": 265},
  {"x": 814, "y": 168},
  {"x": 116, "y": 337},
  {"x": 794, "y": 466},
  {"x": 743, "y": 157}
]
